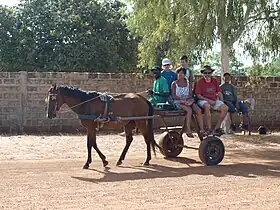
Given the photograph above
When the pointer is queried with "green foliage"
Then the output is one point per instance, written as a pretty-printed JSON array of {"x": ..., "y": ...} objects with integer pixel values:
[
  {"x": 261, "y": 38},
  {"x": 66, "y": 35},
  {"x": 213, "y": 60},
  {"x": 172, "y": 28},
  {"x": 8, "y": 38},
  {"x": 270, "y": 69}
]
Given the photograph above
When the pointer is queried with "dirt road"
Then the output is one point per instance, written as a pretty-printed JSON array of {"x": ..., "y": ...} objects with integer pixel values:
[{"x": 45, "y": 172}]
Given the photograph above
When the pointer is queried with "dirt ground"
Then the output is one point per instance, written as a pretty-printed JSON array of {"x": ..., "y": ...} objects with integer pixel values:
[{"x": 45, "y": 172}]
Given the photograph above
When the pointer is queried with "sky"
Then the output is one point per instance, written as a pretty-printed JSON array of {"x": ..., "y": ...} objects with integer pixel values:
[
  {"x": 244, "y": 59},
  {"x": 9, "y": 2}
]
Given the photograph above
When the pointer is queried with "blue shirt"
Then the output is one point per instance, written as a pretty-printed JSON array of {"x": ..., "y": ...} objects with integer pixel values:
[{"x": 170, "y": 76}]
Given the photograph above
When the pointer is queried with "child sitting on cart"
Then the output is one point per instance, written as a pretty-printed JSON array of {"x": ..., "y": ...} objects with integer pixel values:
[{"x": 183, "y": 99}]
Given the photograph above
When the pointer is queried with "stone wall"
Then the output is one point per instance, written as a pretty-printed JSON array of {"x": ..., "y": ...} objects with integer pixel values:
[{"x": 22, "y": 106}]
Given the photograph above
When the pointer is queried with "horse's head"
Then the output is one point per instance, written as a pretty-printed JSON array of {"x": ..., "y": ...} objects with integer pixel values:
[{"x": 54, "y": 101}]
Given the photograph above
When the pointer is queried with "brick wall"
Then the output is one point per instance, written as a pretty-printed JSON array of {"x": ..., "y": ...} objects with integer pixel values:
[{"x": 22, "y": 106}]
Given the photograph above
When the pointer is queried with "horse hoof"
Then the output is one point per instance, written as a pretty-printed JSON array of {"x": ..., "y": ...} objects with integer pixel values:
[
  {"x": 85, "y": 167},
  {"x": 105, "y": 163},
  {"x": 119, "y": 163},
  {"x": 146, "y": 164}
]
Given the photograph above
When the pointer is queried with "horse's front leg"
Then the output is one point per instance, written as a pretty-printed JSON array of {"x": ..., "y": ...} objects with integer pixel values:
[
  {"x": 94, "y": 145},
  {"x": 91, "y": 142},
  {"x": 89, "y": 146}
]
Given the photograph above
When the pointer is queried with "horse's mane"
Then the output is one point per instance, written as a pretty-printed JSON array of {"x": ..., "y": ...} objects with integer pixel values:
[{"x": 77, "y": 93}]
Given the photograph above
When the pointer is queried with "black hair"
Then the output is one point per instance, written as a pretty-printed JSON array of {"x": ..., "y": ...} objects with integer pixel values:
[
  {"x": 225, "y": 74},
  {"x": 156, "y": 69},
  {"x": 181, "y": 69},
  {"x": 184, "y": 57}
]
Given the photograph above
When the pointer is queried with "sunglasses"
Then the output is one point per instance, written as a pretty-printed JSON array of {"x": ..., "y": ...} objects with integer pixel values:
[
  {"x": 207, "y": 72},
  {"x": 166, "y": 65}
]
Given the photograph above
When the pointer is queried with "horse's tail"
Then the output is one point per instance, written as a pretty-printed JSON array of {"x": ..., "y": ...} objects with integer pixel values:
[{"x": 151, "y": 128}]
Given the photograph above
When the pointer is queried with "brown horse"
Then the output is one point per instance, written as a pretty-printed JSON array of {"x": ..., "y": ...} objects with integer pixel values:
[{"x": 94, "y": 104}]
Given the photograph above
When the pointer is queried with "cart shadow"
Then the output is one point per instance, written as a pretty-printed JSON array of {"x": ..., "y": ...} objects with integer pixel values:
[
  {"x": 247, "y": 170},
  {"x": 182, "y": 160}
]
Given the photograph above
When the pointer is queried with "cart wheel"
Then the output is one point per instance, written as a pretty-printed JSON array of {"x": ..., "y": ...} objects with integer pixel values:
[
  {"x": 211, "y": 151},
  {"x": 171, "y": 144}
]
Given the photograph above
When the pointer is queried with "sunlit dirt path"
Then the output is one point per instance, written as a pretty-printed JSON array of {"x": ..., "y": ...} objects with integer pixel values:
[{"x": 45, "y": 172}]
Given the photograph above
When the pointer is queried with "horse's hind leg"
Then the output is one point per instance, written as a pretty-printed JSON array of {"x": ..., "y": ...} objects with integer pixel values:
[
  {"x": 128, "y": 135},
  {"x": 91, "y": 142}
]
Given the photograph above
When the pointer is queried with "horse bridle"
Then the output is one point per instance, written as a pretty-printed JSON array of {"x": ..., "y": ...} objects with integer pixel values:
[{"x": 52, "y": 97}]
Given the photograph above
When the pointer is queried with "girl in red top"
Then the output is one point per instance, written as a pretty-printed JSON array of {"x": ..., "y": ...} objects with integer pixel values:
[{"x": 210, "y": 96}]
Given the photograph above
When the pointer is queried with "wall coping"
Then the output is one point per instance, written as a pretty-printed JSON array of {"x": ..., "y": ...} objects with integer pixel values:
[{"x": 115, "y": 76}]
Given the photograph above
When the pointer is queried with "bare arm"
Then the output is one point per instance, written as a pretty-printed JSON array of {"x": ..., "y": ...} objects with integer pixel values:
[
  {"x": 173, "y": 89},
  {"x": 202, "y": 97},
  {"x": 191, "y": 86},
  {"x": 234, "y": 93},
  {"x": 220, "y": 95}
]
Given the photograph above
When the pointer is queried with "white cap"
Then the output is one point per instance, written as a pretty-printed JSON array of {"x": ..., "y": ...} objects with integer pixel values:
[{"x": 166, "y": 61}]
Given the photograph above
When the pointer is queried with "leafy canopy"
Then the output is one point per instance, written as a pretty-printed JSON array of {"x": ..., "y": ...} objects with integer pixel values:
[{"x": 66, "y": 35}]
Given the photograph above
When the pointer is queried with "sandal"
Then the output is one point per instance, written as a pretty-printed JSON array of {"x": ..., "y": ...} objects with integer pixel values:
[
  {"x": 243, "y": 126},
  {"x": 208, "y": 132},
  {"x": 190, "y": 135},
  {"x": 203, "y": 133},
  {"x": 233, "y": 127},
  {"x": 218, "y": 132}
]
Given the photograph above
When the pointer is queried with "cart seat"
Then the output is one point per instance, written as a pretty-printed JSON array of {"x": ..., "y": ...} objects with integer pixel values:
[
  {"x": 165, "y": 106},
  {"x": 166, "y": 109}
]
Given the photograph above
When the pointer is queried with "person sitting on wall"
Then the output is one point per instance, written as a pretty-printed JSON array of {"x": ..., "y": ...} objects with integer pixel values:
[
  {"x": 160, "y": 91},
  {"x": 209, "y": 96},
  {"x": 183, "y": 99},
  {"x": 230, "y": 99}
]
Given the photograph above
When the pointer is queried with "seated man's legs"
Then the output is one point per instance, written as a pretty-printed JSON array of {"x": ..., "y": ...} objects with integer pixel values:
[
  {"x": 199, "y": 118},
  {"x": 206, "y": 106},
  {"x": 231, "y": 106},
  {"x": 223, "y": 109},
  {"x": 231, "y": 109}
]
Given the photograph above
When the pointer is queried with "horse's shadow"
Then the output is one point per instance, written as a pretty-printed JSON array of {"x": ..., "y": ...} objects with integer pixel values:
[{"x": 248, "y": 170}]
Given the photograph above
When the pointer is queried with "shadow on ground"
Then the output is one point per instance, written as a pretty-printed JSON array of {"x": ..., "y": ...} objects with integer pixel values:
[
  {"x": 248, "y": 170},
  {"x": 258, "y": 154},
  {"x": 257, "y": 140}
]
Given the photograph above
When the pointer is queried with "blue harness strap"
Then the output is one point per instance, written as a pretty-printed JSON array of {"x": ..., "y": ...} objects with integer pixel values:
[{"x": 107, "y": 99}]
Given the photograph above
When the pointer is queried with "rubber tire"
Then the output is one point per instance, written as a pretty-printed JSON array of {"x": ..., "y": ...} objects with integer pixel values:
[
  {"x": 164, "y": 143},
  {"x": 203, "y": 150}
]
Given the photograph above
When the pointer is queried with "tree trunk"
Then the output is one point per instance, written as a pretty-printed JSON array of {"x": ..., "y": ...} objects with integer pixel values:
[{"x": 225, "y": 50}]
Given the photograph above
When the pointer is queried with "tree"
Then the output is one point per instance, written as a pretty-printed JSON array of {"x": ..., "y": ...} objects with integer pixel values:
[
  {"x": 193, "y": 26},
  {"x": 8, "y": 38},
  {"x": 65, "y": 35},
  {"x": 269, "y": 69}
]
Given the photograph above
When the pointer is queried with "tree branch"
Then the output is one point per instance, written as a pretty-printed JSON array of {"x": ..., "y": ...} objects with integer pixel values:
[
  {"x": 238, "y": 33},
  {"x": 263, "y": 18},
  {"x": 254, "y": 17}
]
